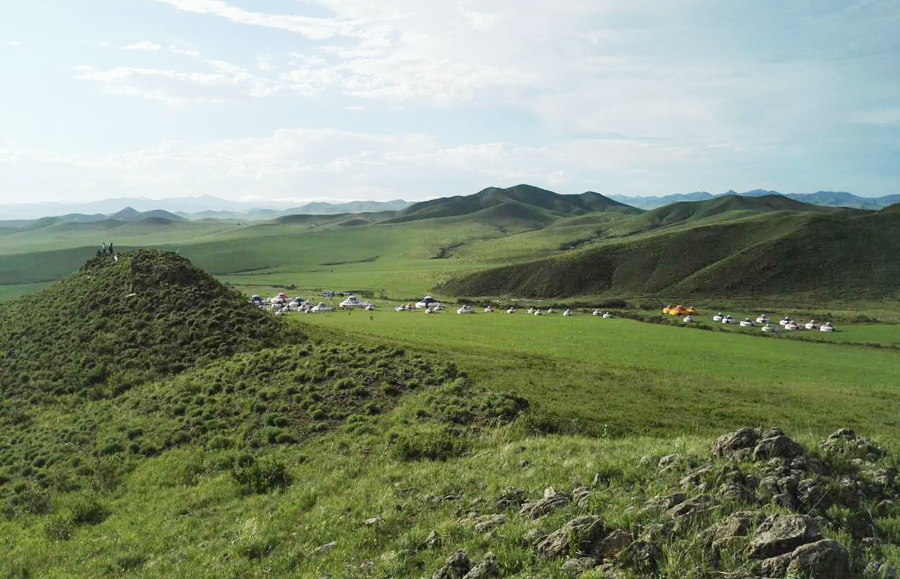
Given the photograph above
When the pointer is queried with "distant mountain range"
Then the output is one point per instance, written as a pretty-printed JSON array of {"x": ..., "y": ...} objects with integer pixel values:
[
  {"x": 206, "y": 208},
  {"x": 824, "y": 198},
  {"x": 131, "y": 214},
  {"x": 203, "y": 207}
]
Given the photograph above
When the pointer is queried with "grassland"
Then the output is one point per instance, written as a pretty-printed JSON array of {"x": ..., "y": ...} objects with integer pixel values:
[
  {"x": 235, "y": 444},
  {"x": 638, "y": 378}
]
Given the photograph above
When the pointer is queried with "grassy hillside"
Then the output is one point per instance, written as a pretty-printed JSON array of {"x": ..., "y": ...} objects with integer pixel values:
[
  {"x": 583, "y": 244},
  {"x": 541, "y": 204},
  {"x": 826, "y": 255},
  {"x": 154, "y": 424}
]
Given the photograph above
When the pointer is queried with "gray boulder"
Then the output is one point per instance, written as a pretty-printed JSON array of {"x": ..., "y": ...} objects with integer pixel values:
[
  {"x": 738, "y": 444},
  {"x": 777, "y": 446},
  {"x": 487, "y": 569},
  {"x": 575, "y": 566},
  {"x": 825, "y": 559},
  {"x": 582, "y": 535},
  {"x": 457, "y": 567},
  {"x": 545, "y": 506},
  {"x": 780, "y": 534}
]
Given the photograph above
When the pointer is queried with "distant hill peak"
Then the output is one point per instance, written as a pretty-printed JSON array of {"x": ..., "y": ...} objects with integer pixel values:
[{"x": 821, "y": 198}]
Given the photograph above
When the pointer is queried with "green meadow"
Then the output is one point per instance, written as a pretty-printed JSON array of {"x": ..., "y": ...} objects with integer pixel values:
[
  {"x": 643, "y": 378},
  {"x": 154, "y": 424}
]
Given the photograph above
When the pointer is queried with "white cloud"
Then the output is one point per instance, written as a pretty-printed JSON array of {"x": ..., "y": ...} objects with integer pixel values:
[
  {"x": 11, "y": 43},
  {"x": 481, "y": 21},
  {"x": 168, "y": 86},
  {"x": 149, "y": 46},
  {"x": 314, "y": 28},
  {"x": 343, "y": 164},
  {"x": 264, "y": 63},
  {"x": 184, "y": 51}
]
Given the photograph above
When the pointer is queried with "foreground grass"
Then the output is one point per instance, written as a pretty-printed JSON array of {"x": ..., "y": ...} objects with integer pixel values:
[{"x": 353, "y": 490}]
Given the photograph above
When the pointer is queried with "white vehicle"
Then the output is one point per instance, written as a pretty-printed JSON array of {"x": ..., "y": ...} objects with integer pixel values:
[
  {"x": 746, "y": 323},
  {"x": 717, "y": 317},
  {"x": 400, "y": 308},
  {"x": 549, "y": 311},
  {"x": 607, "y": 316},
  {"x": 770, "y": 328},
  {"x": 596, "y": 313},
  {"x": 688, "y": 319},
  {"x": 351, "y": 303},
  {"x": 567, "y": 313},
  {"x": 530, "y": 310},
  {"x": 428, "y": 311},
  {"x": 370, "y": 307},
  {"x": 538, "y": 313},
  {"x": 728, "y": 320},
  {"x": 511, "y": 310},
  {"x": 277, "y": 306},
  {"x": 791, "y": 326},
  {"x": 784, "y": 321},
  {"x": 762, "y": 319},
  {"x": 826, "y": 327},
  {"x": 488, "y": 310},
  {"x": 812, "y": 325},
  {"x": 320, "y": 308},
  {"x": 427, "y": 302},
  {"x": 281, "y": 312},
  {"x": 465, "y": 310}
]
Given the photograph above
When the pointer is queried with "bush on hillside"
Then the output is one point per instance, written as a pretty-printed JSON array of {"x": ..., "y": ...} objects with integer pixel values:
[{"x": 262, "y": 476}]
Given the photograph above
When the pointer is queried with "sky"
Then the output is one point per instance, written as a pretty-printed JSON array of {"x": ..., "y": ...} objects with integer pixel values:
[{"x": 298, "y": 100}]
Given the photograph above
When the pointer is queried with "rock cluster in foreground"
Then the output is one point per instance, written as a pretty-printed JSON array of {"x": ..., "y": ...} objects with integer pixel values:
[{"x": 761, "y": 506}]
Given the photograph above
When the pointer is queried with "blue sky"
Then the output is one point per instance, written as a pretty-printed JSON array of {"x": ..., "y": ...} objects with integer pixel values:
[{"x": 353, "y": 99}]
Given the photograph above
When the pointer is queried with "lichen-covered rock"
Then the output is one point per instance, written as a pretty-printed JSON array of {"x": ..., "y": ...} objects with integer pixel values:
[
  {"x": 488, "y": 522},
  {"x": 880, "y": 570},
  {"x": 825, "y": 559},
  {"x": 457, "y": 567},
  {"x": 845, "y": 441},
  {"x": 738, "y": 444},
  {"x": 690, "y": 507},
  {"x": 781, "y": 534},
  {"x": 581, "y": 496},
  {"x": 643, "y": 556},
  {"x": 489, "y": 568},
  {"x": 545, "y": 506},
  {"x": 735, "y": 527},
  {"x": 665, "y": 502},
  {"x": 510, "y": 497},
  {"x": 581, "y": 535},
  {"x": 778, "y": 445}
]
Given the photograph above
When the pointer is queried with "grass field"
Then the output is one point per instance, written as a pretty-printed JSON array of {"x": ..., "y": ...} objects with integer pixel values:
[
  {"x": 373, "y": 448},
  {"x": 631, "y": 377}
]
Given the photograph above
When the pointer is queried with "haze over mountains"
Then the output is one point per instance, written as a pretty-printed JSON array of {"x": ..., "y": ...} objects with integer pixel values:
[
  {"x": 210, "y": 207},
  {"x": 825, "y": 198},
  {"x": 205, "y": 206}
]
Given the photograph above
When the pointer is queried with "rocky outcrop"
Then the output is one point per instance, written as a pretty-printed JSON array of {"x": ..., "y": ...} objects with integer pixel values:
[
  {"x": 781, "y": 534},
  {"x": 456, "y": 567},
  {"x": 552, "y": 500}
]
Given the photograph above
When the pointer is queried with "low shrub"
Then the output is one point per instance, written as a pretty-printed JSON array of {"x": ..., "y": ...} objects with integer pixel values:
[
  {"x": 427, "y": 442},
  {"x": 262, "y": 476}
]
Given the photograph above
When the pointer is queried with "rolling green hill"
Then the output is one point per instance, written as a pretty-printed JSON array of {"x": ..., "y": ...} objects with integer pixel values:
[
  {"x": 831, "y": 256},
  {"x": 574, "y": 245},
  {"x": 521, "y": 201}
]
